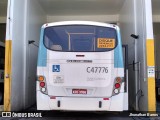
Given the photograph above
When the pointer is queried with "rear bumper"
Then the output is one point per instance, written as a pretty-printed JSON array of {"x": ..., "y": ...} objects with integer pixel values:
[{"x": 114, "y": 103}]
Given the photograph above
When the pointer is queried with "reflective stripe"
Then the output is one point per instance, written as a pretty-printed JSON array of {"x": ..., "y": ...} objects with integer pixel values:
[
  {"x": 151, "y": 80},
  {"x": 7, "y": 79}
]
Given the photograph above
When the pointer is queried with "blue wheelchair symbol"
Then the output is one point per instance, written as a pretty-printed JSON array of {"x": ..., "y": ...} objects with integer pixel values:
[{"x": 56, "y": 68}]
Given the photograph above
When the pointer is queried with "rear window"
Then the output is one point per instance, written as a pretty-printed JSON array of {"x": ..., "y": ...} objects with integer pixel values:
[{"x": 80, "y": 38}]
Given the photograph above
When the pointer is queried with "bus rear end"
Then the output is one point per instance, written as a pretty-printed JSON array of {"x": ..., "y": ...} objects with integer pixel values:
[{"x": 80, "y": 67}]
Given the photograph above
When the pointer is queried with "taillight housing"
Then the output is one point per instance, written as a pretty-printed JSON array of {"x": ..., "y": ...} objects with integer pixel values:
[
  {"x": 117, "y": 85},
  {"x": 42, "y": 84}
]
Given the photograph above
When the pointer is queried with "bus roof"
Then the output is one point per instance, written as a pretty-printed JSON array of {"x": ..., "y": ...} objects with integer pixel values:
[{"x": 80, "y": 23}]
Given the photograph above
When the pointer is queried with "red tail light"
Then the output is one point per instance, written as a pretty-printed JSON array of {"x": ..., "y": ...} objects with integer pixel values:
[
  {"x": 117, "y": 85},
  {"x": 42, "y": 84}
]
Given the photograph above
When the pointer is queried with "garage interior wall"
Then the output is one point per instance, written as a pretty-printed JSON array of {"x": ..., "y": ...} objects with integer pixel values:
[
  {"x": 24, "y": 55},
  {"x": 28, "y": 53},
  {"x": 35, "y": 18},
  {"x": 127, "y": 25},
  {"x": 17, "y": 37},
  {"x": 132, "y": 21},
  {"x": 140, "y": 56},
  {"x": 98, "y": 18}
]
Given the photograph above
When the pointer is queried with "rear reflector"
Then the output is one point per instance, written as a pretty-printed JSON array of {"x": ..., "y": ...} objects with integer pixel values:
[
  {"x": 105, "y": 98},
  {"x": 116, "y": 91},
  {"x": 52, "y": 97},
  {"x": 43, "y": 89},
  {"x": 42, "y": 84}
]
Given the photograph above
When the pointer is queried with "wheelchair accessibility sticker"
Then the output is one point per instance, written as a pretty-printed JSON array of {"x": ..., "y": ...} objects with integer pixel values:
[{"x": 56, "y": 68}]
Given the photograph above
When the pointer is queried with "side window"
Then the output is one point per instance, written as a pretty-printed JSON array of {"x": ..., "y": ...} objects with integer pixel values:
[{"x": 56, "y": 39}]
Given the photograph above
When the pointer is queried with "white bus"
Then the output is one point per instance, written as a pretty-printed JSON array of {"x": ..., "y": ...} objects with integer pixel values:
[{"x": 80, "y": 67}]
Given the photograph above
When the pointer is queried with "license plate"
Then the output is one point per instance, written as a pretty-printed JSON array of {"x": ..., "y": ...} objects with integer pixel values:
[{"x": 79, "y": 91}]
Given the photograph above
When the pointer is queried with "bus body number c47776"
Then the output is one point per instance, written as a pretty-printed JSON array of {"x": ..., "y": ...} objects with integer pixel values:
[{"x": 97, "y": 69}]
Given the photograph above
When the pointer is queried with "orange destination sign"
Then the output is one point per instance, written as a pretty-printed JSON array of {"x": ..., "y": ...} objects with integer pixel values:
[{"x": 106, "y": 43}]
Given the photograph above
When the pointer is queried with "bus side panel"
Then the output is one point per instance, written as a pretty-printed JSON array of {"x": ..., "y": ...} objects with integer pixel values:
[
  {"x": 117, "y": 102},
  {"x": 42, "y": 100}
]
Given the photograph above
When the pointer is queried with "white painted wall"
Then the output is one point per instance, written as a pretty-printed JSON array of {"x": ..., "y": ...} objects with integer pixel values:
[
  {"x": 142, "y": 84},
  {"x": 24, "y": 56},
  {"x": 16, "y": 27},
  {"x": 34, "y": 19},
  {"x": 98, "y": 18},
  {"x": 133, "y": 21},
  {"x": 127, "y": 25}
]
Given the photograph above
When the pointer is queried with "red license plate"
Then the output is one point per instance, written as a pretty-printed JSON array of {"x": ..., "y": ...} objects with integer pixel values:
[{"x": 79, "y": 91}]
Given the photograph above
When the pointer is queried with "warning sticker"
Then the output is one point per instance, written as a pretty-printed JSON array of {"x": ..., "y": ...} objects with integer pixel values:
[{"x": 106, "y": 43}]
